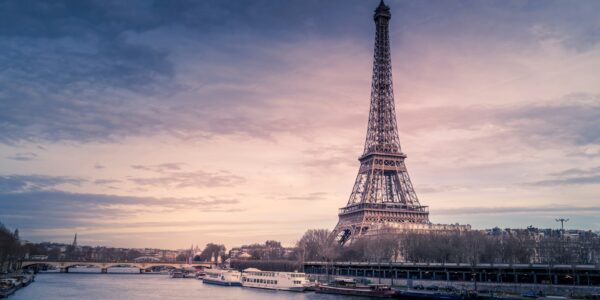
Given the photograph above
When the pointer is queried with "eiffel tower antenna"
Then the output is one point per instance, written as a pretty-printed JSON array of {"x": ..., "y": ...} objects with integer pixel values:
[{"x": 383, "y": 195}]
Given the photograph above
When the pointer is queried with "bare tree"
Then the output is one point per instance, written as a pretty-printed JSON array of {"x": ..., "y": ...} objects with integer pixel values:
[
  {"x": 211, "y": 250},
  {"x": 11, "y": 250},
  {"x": 316, "y": 244}
]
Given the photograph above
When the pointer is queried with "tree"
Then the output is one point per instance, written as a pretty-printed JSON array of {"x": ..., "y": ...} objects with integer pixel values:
[
  {"x": 316, "y": 244},
  {"x": 133, "y": 254},
  {"x": 273, "y": 244},
  {"x": 212, "y": 250},
  {"x": 382, "y": 247},
  {"x": 355, "y": 251},
  {"x": 11, "y": 250}
]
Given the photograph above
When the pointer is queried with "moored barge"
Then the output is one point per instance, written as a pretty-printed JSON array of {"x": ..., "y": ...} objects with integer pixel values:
[{"x": 350, "y": 288}]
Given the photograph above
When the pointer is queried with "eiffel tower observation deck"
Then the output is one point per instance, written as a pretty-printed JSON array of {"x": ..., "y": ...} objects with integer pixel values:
[{"x": 383, "y": 196}]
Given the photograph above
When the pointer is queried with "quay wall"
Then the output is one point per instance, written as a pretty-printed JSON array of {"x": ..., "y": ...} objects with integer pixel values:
[
  {"x": 510, "y": 288},
  {"x": 514, "y": 278}
]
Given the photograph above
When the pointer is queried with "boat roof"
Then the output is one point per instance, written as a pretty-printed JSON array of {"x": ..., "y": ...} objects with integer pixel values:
[
  {"x": 252, "y": 270},
  {"x": 339, "y": 279},
  {"x": 214, "y": 270},
  {"x": 379, "y": 285}
]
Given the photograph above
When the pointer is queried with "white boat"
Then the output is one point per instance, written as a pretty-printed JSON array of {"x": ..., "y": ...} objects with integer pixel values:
[
  {"x": 287, "y": 281},
  {"x": 176, "y": 274},
  {"x": 181, "y": 273},
  {"x": 222, "y": 277}
]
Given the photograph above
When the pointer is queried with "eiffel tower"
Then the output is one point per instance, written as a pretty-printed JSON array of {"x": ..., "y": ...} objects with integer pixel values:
[{"x": 383, "y": 195}]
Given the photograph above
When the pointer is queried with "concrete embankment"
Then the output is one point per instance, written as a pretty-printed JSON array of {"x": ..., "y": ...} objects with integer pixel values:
[
  {"x": 517, "y": 289},
  {"x": 10, "y": 283}
]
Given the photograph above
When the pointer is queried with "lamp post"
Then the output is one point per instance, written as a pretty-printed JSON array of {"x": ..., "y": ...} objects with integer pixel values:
[{"x": 562, "y": 223}]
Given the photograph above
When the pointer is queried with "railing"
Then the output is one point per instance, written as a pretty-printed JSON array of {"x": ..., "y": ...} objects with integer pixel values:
[
  {"x": 115, "y": 261},
  {"x": 471, "y": 265},
  {"x": 385, "y": 206}
]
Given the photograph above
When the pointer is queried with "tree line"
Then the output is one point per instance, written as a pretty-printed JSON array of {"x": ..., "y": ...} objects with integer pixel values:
[
  {"x": 512, "y": 246},
  {"x": 529, "y": 245},
  {"x": 11, "y": 250}
]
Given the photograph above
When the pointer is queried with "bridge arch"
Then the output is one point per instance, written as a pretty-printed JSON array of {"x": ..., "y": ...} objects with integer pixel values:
[
  {"x": 170, "y": 266},
  {"x": 124, "y": 265},
  {"x": 200, "y": 265},
  {"x": 29, "y": 264}
]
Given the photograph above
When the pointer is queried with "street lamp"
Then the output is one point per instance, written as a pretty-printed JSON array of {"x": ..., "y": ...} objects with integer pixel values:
[{"x": 562, "y": 223}]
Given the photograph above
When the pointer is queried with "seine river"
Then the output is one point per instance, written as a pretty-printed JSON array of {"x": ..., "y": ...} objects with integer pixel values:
[{"x": 84, "y": 284}]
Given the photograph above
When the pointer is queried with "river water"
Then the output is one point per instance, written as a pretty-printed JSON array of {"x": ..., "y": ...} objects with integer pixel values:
[{"x": 89, "y": 284}]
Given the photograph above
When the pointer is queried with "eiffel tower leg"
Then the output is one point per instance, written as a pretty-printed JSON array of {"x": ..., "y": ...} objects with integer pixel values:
[
  {"x": 341, "y": 234},
  {"x": 357, "y": 232}
]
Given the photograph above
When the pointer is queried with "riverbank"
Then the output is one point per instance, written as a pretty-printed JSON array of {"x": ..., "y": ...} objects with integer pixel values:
[
  {"x": 570, "y": 291},
  {"x": 10, "y": 283}
]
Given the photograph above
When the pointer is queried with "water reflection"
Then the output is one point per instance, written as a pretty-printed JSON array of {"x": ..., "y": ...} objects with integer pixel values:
[{"x": 127, "y": 283}]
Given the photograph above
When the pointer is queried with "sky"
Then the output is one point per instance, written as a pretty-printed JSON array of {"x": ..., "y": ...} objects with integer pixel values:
[{"x": 170, "y": 123}]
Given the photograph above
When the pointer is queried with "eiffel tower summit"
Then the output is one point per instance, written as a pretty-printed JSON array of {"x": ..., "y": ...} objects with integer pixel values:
[{"x": 383, "y": 196}]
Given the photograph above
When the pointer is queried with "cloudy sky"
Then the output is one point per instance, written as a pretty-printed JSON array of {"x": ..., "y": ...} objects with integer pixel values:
[{"x": 167, "y": 123}]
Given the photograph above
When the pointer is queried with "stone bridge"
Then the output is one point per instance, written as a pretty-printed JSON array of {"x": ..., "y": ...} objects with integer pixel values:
[{"x": 64, "y": 265}]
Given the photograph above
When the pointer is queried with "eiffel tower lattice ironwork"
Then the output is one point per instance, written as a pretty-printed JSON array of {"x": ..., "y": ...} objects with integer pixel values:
[{"x": 383, "y": 194}]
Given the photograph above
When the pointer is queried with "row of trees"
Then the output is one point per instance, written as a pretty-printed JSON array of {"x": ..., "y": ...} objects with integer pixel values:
[
  {"x": 317, "y": 245},
  {"x": 520, "y": 246},
  {"x": 11, "y": 250},
  {"x": 469, "y": 247},
  {"x": 210, "y": 252},
  {"x": 59, "y": 251},
  {"x": 514, "y": 246},
  {"x": 270, "y": 250}
]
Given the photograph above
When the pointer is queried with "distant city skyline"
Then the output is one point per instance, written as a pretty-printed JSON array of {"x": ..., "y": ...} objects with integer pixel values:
[{"x": 164, "y": 124}]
